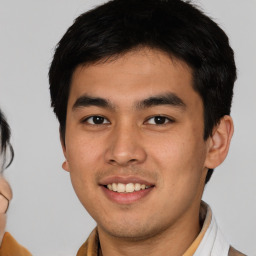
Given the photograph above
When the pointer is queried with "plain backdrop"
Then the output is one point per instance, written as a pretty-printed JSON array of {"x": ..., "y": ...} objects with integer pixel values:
[{"x": 45, "y": 214}]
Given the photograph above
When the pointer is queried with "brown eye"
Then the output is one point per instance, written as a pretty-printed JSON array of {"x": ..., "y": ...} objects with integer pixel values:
[
  {"x": 96, "y": 120},
  {"x": 159, "y": 120}
]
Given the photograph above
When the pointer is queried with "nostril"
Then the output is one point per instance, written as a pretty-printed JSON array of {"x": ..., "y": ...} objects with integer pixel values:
[{"x": 115, "y": 162}]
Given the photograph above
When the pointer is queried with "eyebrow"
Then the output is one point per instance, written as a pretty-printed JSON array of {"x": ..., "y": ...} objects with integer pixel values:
[
  {"x": 157, "y": 100},
  {"x": 161, "y": 99},
  {"x": 87, "y": 101}
]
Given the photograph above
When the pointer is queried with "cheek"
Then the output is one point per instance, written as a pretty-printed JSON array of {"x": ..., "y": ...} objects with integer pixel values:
[
  {"x": 176, "y": 152},
  {"x": 83, "y": 153},
  {"x": 180, "y": 159},
  {"x": 82, "y": 175},
  {"x": 182, "y": 177},
  {"x": 83, "y": 160}
]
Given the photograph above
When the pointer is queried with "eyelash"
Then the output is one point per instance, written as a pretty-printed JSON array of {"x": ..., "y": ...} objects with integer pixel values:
[
  {"x": 96, "y": 116},
  {"x": 167, "y": 120}
]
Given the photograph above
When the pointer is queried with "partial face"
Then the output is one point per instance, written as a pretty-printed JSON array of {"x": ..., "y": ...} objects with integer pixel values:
[
  {"x": 134, "y": 144},
  {"x": 5, "y": 197}
]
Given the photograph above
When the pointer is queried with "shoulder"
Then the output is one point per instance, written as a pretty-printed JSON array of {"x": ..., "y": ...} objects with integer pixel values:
[
  {"x": 10, "y": 247},
  {"x": 234, "y": 252},
  {"x": 82, "y": 250}
]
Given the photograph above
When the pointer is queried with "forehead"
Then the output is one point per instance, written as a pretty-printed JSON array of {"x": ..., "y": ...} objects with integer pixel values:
[{"x": 135, "y": 75}]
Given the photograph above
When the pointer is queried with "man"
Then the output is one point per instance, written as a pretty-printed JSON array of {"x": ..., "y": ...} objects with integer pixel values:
[{"x": 142, "y": 91}]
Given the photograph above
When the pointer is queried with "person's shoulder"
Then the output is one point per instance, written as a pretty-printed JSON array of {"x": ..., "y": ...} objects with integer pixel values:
[
  {"x": 10, "y": 247},
  {"x": 233, "y": 252}
]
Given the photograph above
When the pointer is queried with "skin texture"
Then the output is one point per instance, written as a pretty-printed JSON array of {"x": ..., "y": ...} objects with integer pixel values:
[
  {"x": 173, "y": 157},
  {"x": 5, "y": 197}
]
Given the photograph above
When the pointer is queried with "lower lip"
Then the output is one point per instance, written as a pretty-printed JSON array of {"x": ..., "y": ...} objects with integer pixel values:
[{"x": 126, "y": 198}]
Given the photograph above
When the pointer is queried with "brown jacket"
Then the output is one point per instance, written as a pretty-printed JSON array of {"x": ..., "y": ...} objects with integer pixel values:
[{"x": 234, "y": 252}]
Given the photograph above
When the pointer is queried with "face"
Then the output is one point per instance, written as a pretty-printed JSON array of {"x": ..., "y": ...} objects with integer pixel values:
[{"x": 134, "y": 143}]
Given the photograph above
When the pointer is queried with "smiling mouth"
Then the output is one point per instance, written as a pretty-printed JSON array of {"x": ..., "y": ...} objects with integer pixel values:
[{"x": 126, "y": 188}]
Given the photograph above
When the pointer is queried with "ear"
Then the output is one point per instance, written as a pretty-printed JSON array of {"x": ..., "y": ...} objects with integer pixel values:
[
  {"x": 65, "y": 165},
  {"x": 219, "y": 142}
]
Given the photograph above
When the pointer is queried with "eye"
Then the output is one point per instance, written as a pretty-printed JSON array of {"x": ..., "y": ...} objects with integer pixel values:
[
  {"x": 96, "y": 120},
  {"x": 159, "y": 120}
]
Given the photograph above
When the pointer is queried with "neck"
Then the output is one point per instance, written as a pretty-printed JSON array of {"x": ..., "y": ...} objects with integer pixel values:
[{"x": 175, "y": 240}]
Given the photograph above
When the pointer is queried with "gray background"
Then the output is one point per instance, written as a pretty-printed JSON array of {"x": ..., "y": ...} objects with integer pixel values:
[{"x": 45, "y": 214}]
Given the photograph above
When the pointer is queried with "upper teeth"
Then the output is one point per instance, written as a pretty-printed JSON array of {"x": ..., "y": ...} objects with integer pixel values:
[{"x": 126, "y": 188}]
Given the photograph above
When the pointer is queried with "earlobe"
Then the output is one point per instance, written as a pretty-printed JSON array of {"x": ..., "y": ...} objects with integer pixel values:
[
  {"x": 65, "y": 165},
  {"x": 219, "y": 142}
]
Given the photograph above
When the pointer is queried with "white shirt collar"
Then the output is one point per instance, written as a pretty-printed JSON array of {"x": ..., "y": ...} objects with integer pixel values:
[{"x": 213, "y": 242}]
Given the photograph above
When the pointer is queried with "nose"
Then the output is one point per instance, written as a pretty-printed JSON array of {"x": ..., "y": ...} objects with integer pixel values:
[{"x": 125, "y": 146}]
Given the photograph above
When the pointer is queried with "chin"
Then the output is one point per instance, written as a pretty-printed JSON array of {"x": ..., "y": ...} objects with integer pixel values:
[{"x": 132, "y": 232}]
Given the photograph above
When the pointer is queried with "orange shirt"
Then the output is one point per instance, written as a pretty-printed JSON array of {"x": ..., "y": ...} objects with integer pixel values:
[{"x": 10, "y": 247}]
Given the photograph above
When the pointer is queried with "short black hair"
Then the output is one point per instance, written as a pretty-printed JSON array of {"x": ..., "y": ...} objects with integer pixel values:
[
  {"x": 175, "y": 27},
  {"x": 5, "y": 145}
]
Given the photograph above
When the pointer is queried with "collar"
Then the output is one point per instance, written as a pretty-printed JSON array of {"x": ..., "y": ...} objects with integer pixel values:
[{"x": 205, "y": 216}]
